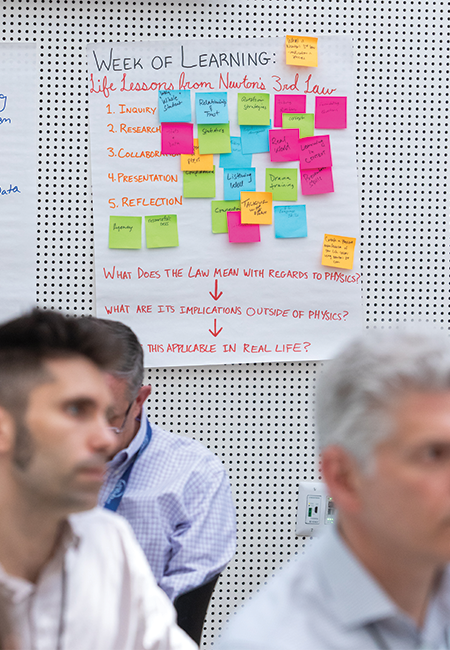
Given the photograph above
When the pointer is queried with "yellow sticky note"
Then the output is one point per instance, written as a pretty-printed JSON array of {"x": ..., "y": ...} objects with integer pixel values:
[
  {"x": 301, "y": 50},
  {"x": 338, "y": 251},
  {"x": 256, "y": 207},
  {"x": 197, "y": 162}
]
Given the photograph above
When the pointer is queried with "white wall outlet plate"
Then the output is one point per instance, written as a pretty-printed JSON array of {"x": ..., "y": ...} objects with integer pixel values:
[{"x": 315, "y": 508}]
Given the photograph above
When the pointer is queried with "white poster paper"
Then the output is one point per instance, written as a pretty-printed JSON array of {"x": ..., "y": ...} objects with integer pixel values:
[
  {"x": 194, "y": 296},
  {"x": 17, "y": 178}
]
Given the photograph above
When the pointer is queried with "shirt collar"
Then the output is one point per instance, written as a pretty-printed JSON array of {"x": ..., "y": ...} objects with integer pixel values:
[
  {"x": 124, "y": 455},
  {"x": 358, "y": 599}
]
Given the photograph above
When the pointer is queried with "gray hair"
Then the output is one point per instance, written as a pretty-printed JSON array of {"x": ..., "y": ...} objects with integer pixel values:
[
  {"x": 130, "y": 364},
  {"x": 360, "y": 386}
]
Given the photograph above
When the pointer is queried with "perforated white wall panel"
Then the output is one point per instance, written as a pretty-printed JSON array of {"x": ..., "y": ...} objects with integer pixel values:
[{"x": 258, "y": 418}]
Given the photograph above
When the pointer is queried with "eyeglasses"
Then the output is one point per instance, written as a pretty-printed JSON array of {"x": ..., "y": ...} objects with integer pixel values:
[{"x": 119, "y": 430}]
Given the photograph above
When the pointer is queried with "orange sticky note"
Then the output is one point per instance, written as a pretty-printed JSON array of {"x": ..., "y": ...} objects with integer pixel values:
[
  {"x": 301, "y": 50},
  {"x": 338, "y": 251},
  {"x": 197, "y": 162},
  {"x": 256, "y": 207}
]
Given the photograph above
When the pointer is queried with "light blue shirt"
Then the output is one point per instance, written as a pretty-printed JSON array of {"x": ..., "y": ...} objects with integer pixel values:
[
  {"x": 178, "y": 501},
  {"x": 327, "y": 600}
]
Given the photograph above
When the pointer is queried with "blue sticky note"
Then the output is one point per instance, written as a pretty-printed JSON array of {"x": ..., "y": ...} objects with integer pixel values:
[
  {"x": 255, "y": 139},
  {"x": 290, "y": 221},
  {"x": 236, "y": 158},
  {"x": 211, "y": 108},
  {"x": 238, "y": 180},
  {"x": 174, "y": 105}
]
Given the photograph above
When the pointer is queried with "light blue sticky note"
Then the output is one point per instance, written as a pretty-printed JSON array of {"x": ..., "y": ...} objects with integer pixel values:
[
  {"x": 236, "y": 158},
  {"x": 211, "y": 108},
  {"x": 174, "y": 105},
  {"x": 238, "y": 180},
  {"x": 255, "y": 139},
  {"x": 290, "y": 221}
]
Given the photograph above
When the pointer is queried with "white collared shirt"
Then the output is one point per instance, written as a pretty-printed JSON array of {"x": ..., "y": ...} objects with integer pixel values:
[
  {"x": 327, "y": 600},
  {"x": 110, "y": 600}
]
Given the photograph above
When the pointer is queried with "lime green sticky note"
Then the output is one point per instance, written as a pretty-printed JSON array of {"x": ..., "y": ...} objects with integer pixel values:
[
  {"x": 214, "y": 138},
  {"x": 302, "y": 121},
  {"x": 161, "y": 231},
  {"x": 125, "y": 232},
  {"x": 199, "y": 184},
  {"x": 283, "y": 183},
  {"x": 219, "y": 211},
  {"x": 254, "y": 109}
]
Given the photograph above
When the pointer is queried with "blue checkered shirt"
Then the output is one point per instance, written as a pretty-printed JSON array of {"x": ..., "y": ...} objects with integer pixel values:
[{"x": 179, "y": 504}]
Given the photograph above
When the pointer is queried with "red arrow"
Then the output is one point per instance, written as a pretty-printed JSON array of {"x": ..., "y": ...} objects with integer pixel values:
[
  {"x": 216, "y": 331},
  {"x": 215, "y": 295}
]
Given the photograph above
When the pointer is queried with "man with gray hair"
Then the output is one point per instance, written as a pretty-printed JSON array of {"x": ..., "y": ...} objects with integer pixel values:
[{"x": 381, "y": 577}]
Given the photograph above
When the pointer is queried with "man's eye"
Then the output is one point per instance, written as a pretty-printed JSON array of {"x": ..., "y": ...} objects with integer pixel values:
[{"x": 436, "y": 452}]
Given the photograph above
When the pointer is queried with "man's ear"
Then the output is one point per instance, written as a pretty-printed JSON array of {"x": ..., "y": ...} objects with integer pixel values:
[
  {"x": 142, "y": 395},
  {"x": 343, "y": 478},
  {"x": 7, "y": 431}
]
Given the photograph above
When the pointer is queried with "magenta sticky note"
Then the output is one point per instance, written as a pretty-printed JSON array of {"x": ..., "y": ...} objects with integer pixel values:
[
  {"x": 241, "y": 233},
  {"x": 317, "y": 181},
  {"x": 331, "y": 113},
  {"x": 284, "y": 144},
  {"x": 288, "y": 104},
  {"x": 177, "y": 138},
  {"x": 315, "y": 152}
]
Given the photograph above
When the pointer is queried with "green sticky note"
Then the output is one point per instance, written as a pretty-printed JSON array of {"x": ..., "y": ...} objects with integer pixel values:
[
  {"x": 199, "y": 184},
  {"x": 125, "y": 232},
  {"x": 219, "y": 211},
  {"x": 214, "y": 138},
  {"x": 254, "y": 109},
  {"x": 304, "y": 122},
  {"x": 161, "y": 231},
  {"x": 283, "y": 183}
]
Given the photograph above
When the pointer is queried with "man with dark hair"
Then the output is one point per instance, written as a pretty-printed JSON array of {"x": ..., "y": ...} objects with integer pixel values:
[
  {"x": 72, "y": 580},
  {"x": 173, "y": 491}
]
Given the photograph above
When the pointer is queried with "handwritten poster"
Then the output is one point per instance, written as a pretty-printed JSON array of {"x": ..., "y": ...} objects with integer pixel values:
[
  {"x": 211, "y": 208},
  {"x": 18, "y": 118}
]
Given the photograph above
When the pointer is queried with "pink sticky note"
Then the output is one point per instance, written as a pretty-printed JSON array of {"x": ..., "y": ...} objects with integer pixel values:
[
  {"x": 284, "y": 144},
  {"x": 317, "y": 181},
  {"x": 315, "y": 152},
  {"x": 239, "y": 233},
  {"x": 177, "y": 138},
  {"x": 331, "y": 113},
  {"x": 288, "y": 104}
]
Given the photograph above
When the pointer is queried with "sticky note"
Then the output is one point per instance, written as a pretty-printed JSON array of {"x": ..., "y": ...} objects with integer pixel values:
[
  {"x": 211, "y": 108},
  {"x": 331, "y": 113},
  {"x": 338, "y": 251},
  {"x": 238, "y": 180},
  {"x": 255, "y": 139},
  {"x": 214, "y": 138},
  {"x": 256, "y": 207},
  {"x": 177, "y": 137},
  {"x": 282, "y": 183},
  {"x": 254, "y": 109},
  {"x": 284, "y": 144},
  {"x": 125, "y": 232},
  {"x": 290, "y": 221},
  {"x": 236, "y": 158},
  {"x": 161, "y": 231},
  {"x": 219, "y": 211},
  {"x": 199, "y": 184},
  {"x": 304, "y": 122},
  {"x": 316, "y": 181},
  {"x": 196, "y": 161},
  {"x": 301, "y": 50},
  {"x": 288, "y": 104},
  {"x": 239, "y": 233},
  {"x": 174, "y": 105},
  {"x": 315, "y": 152}
]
